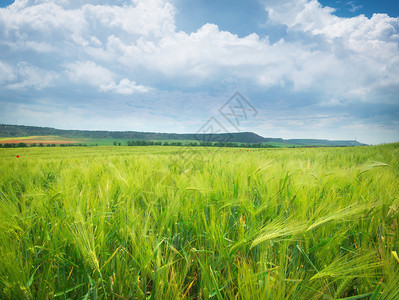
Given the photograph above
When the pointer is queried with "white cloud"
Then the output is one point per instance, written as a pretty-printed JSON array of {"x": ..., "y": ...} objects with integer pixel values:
[
  {"x": 26, "y": 75},
  {"x": 125, "y": 87},
  {"x": 361, "y": 52},
  {"x": 341, "y": 55},
  {"x": 94, "y": 75},
  {"x": 351, "y": 54},
  {"x": 145, "y": 17},
  {"x": 25, "y": 18},
  {"x": 89, "y": 72},
  {"x": 353, "y": 7},
  {"x": 376, "y": 37},
  {"x": 55, "y": 21},
  {"x": 6, "y": 72},
  {"x": 299, "y": 13}
]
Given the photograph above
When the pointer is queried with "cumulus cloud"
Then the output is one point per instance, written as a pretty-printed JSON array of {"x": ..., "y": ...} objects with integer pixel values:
[
  {"x": 6, "y": 72},
  {"x": 339, "y": 56},
  {"x": 125, "y": 87},
  {"x": 89, "y": 72},
  {"x": 97, "y": 76},
  {"x": 144, "y": 18},
  {"x": 58, "y": 21},
  {"x": 24, "y": 75},
  {"x": 349, "y": 53}
]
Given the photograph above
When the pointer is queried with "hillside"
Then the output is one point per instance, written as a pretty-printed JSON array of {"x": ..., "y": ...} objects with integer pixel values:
[{"x": 237, "y": 137}]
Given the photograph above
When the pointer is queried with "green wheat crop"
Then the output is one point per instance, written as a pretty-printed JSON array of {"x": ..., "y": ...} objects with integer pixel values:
[{"x": 156, "y": 223}]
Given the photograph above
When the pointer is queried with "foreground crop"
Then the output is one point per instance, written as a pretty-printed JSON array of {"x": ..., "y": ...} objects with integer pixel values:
[{"x": 136, "y": 222}]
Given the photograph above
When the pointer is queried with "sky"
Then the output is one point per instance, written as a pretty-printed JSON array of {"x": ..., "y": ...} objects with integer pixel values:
[{"x": 323, "y": 69}]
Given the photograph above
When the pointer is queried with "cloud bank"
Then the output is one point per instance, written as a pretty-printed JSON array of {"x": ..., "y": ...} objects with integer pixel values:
[{"x": 92, "y": 50}]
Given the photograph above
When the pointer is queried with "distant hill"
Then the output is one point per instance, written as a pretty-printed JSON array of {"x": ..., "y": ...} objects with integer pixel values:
[
  {"x": 236, "y": 137},
  {"x": 323, "y": 142}
]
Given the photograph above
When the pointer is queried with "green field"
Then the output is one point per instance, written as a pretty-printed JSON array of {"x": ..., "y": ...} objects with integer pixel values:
[
  {"x": 52, "y": 139},
  {"x": 171, "y": 223}
]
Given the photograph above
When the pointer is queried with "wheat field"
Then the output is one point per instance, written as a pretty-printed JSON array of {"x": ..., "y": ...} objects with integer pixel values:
[{"x": 175, "y": 223}]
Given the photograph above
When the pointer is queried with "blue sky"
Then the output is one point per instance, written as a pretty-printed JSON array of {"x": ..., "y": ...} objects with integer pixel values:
[{"x": 311, "y": 69}]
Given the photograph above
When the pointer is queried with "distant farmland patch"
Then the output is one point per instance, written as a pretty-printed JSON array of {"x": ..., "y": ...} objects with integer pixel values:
[{"x": 45, "y": 139}]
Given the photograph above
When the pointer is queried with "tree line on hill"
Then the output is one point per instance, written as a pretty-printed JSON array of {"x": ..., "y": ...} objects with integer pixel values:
[
  {"x": 197, "y": 144},
  {"x": 23, "y": 145},
  {"x": 21, "y": 130},
  {"x": 234, "y": 137},
  {"x": 148, "y": 143}
]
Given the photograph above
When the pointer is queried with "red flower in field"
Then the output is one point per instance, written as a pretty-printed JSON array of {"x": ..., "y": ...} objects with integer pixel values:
[
  {"x": 247, "y": 150},
  {"x": 17, "y": 156},
  {"x": 227, "y": 151}
]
